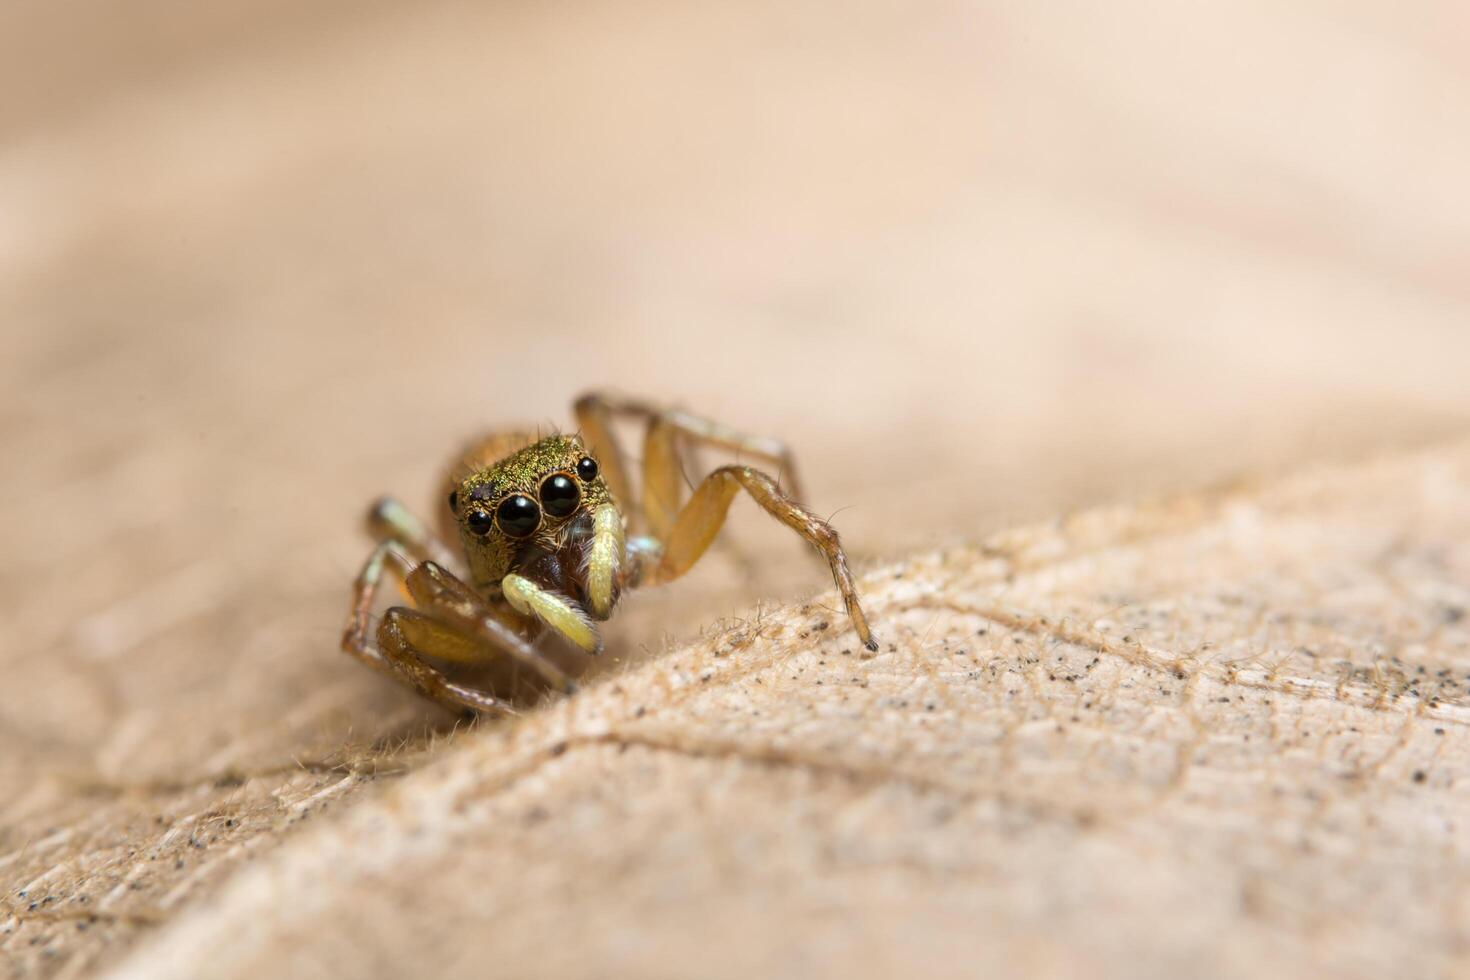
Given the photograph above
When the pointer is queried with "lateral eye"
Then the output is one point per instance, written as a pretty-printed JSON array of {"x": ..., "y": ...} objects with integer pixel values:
[
  {"x": 560, "y": 495},
  {"x": 518, "y": 515},
  {"x": 587, "y": 469},
  {"x": 454, "y": 501},
  {"x": 479, "y": 522}
]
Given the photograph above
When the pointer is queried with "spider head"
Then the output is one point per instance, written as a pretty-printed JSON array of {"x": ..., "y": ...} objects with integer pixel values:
[{"x": 544, "y": 512}]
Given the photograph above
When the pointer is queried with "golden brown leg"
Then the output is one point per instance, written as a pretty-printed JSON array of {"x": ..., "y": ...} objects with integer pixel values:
[
  {"x": 663, "y": 477},
  {"x": 406, "y": 635},
  {"x": 464, "y": 631},
  {"x": 393, "y": 654},
  {"x": 496, "y": 628},
  {"x": 702, "y": 517},
  {"x": 594, "y": 417}
]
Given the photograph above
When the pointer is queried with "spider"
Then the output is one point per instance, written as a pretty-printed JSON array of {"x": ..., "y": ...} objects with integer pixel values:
[{"x": 542, "y": 525}]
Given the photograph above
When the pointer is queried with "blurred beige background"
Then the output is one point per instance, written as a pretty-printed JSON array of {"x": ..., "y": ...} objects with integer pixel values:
[{"x": 979, "y": 263}]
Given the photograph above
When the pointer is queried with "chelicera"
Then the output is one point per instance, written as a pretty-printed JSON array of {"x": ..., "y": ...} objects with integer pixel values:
[{"x": 549, "y": 536}]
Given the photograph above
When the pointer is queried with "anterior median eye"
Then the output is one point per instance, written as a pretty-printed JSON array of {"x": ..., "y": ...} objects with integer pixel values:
[
  {"x": 560, "y": 495},
  {"x": 518, "y": 515}
]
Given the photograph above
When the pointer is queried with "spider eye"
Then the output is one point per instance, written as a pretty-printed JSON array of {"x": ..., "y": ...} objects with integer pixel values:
[
  {"x": 587, "y": 468},
  {"x": 480, "y": 522},
  {"x": 518, "y": 515},
  {"x": 559, "y": 495},
  {"x": 454, "y": 501}
]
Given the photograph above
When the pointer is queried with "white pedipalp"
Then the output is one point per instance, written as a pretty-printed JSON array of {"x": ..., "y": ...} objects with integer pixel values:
[
  {"x": 556, "y": 611},
  {"x": 604, "y": 558}
]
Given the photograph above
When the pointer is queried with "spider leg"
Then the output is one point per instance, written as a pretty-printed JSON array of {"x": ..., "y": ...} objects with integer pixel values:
[
  {"x": 663, "y": 477},
  {"x": 394, "y": 654},
  {"x": 406, "y": 635},
  {"x": 497, "y": 629},
  {"x": 697, "y": 524},
  {"x": 459, "y": 627},
  {"x": 594, "y": 414},
  {"x": 389, "y": 520},
  {"x": 436, "y": 588}
]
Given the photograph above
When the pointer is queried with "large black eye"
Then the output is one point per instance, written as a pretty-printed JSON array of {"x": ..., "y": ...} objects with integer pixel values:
[
  {"x": 587, "y": 468},
  {"x": 480, "y": 522},
  {"x": 518, "y": 515},
  {"x": 559, "y": 495}
]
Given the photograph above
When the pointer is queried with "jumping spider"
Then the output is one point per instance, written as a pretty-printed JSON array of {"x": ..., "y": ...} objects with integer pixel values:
[{"x": 542, "y": 525}]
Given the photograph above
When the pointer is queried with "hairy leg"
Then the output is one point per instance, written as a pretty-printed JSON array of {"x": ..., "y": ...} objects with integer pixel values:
[
  {"x": 437, "y": 589},
  {"x": 393, "y": 654},
  {"x": 389, "y": 520},
  {"x": 406, "y": 636},
  {"x": 595, "y": 418},
  {"x": 668, "y": 431},
  {"x": 355, "y": 636},
  {"x": 462, "y": 630},
  {"x": 701, "y": 519},
  {"x": 497, "y": 629}
]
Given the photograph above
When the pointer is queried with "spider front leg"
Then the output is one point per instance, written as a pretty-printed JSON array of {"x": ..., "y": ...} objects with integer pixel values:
[
  {"x": 394, "y": 653},
  {"x": 435, "y": 587},
  {"x": 457, "y": 627},
  {"x": 700, "y": 520}
]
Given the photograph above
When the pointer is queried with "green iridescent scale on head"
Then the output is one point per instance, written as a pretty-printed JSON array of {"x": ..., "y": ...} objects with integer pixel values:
[
  {"x": 524, "y": 470},
  {"x": 502, "y": 507}
]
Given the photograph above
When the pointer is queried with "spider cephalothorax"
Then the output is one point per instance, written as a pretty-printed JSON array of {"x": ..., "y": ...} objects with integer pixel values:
[
  {"x": 539, "y": 510},
  {"x": 542, "y": 527}
]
